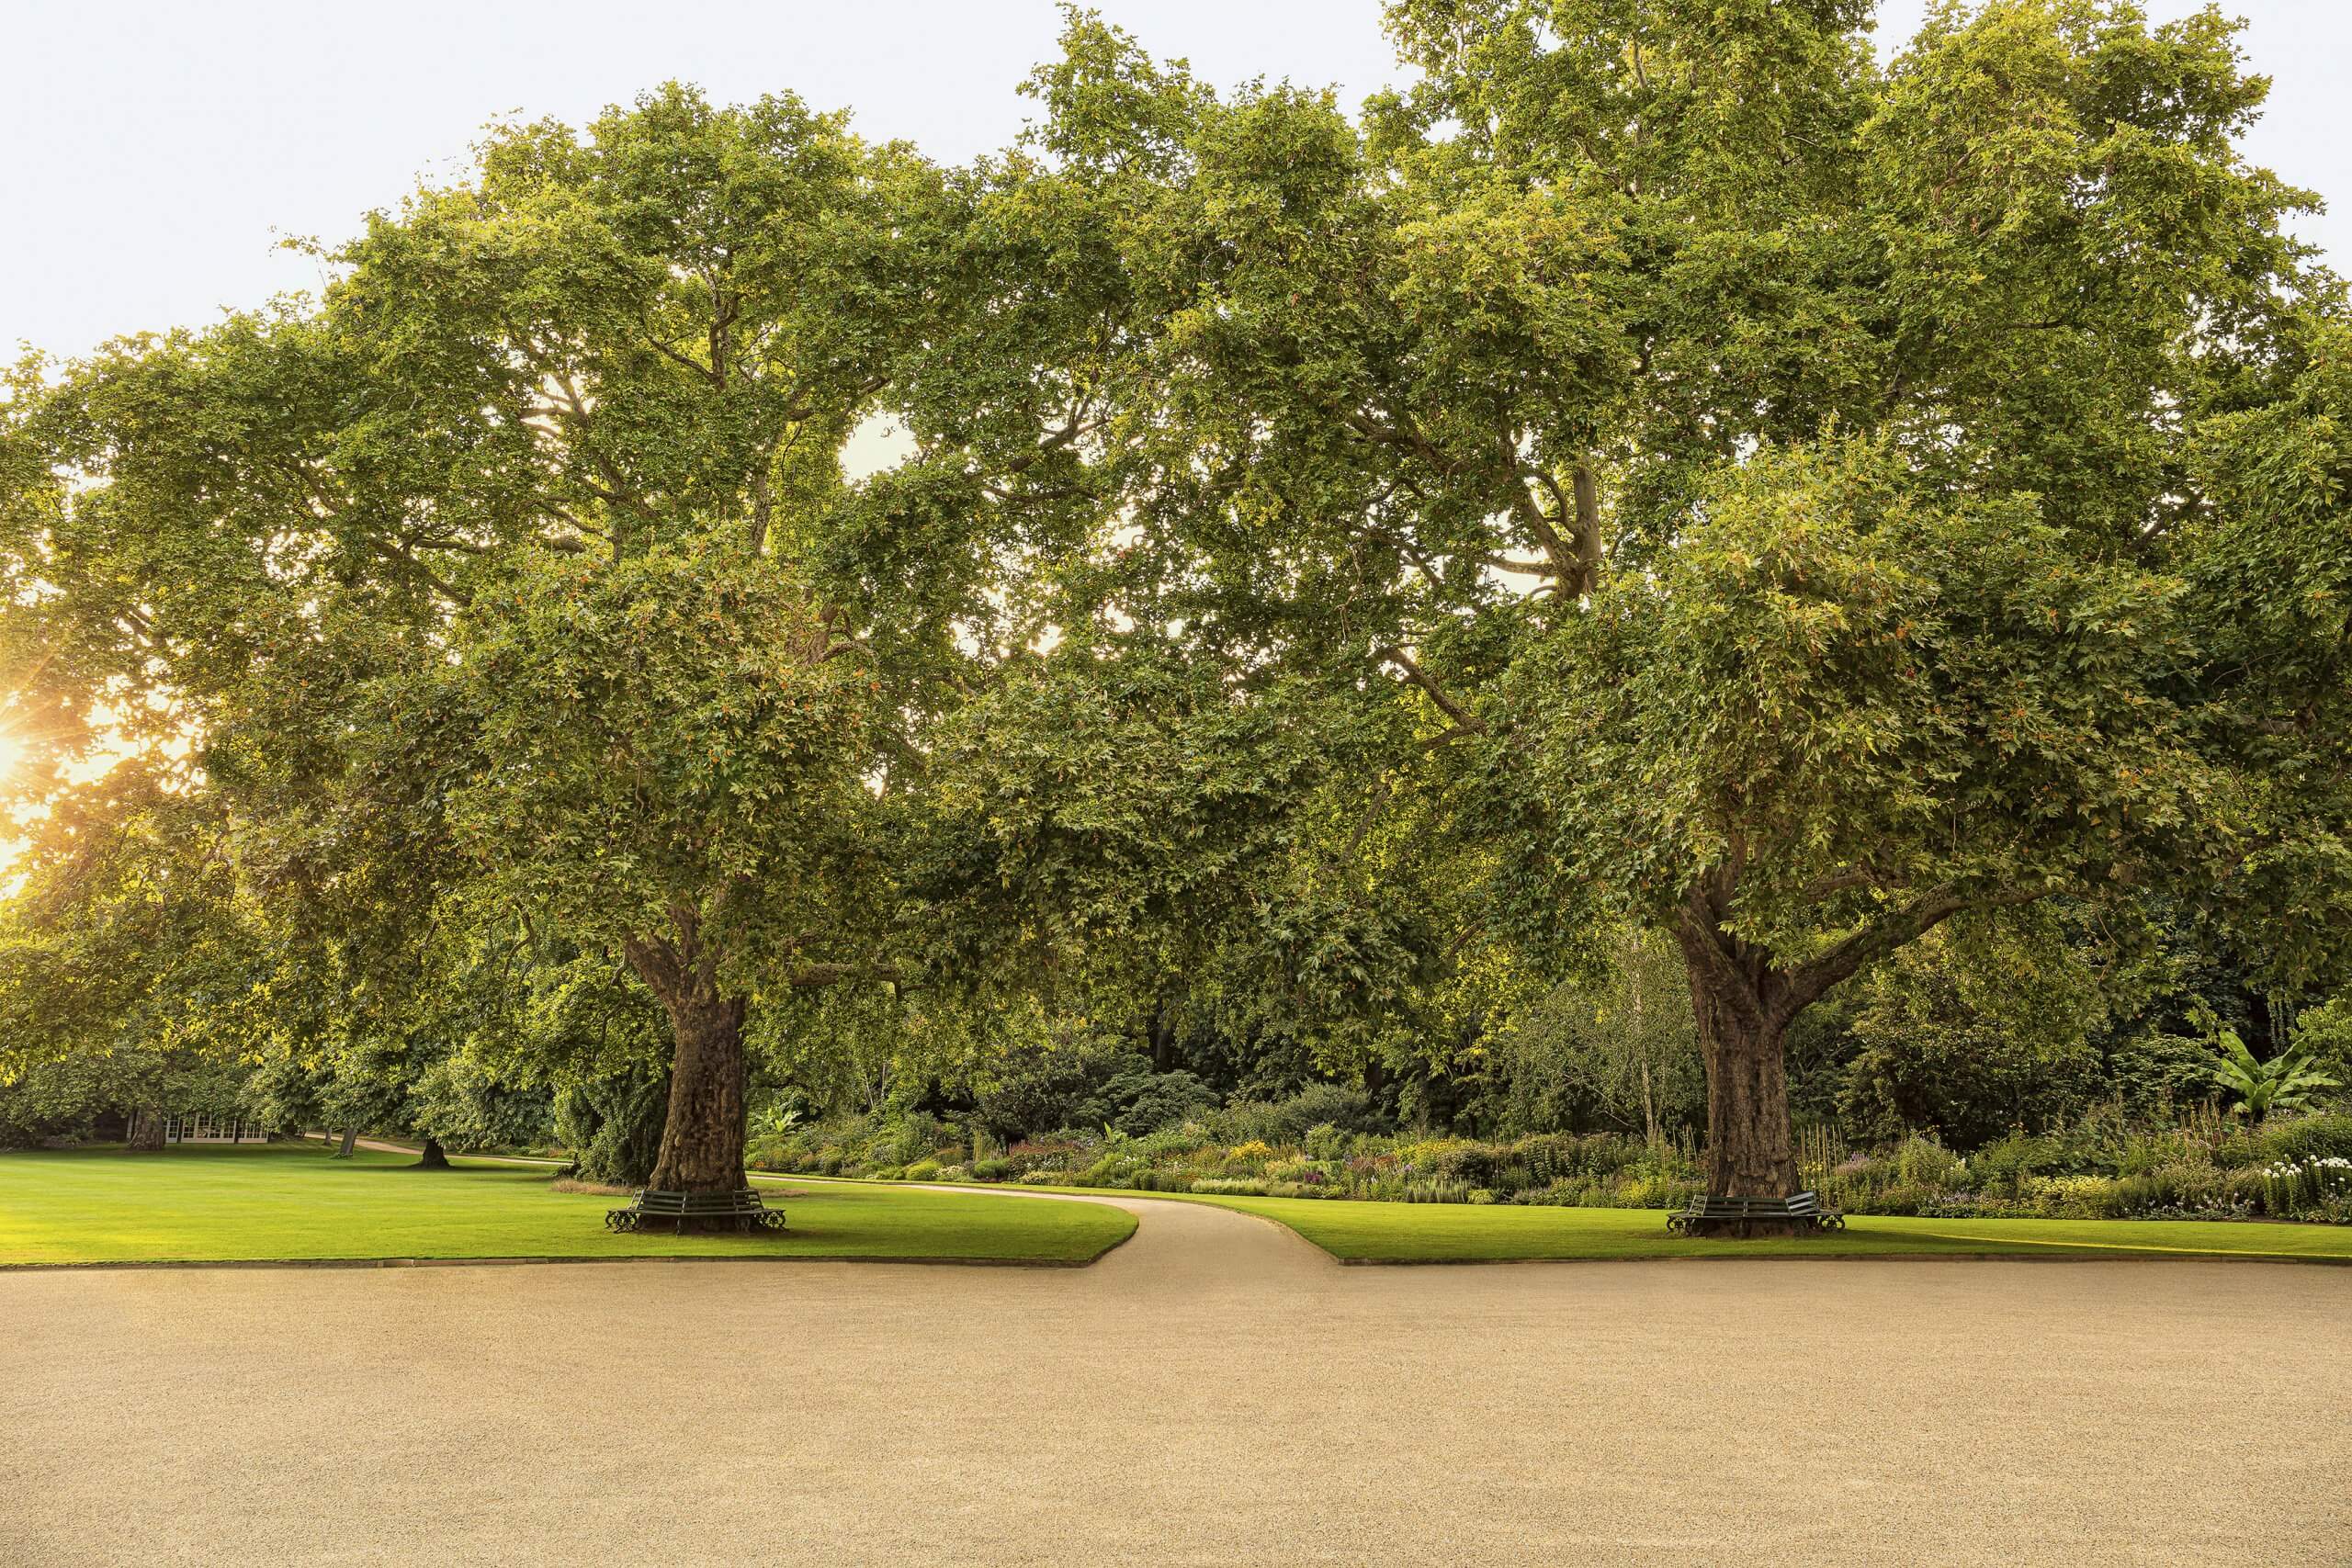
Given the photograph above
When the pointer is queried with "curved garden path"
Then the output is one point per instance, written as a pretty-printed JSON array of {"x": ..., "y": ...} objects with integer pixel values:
[{"x": 1216, "y": 1392}]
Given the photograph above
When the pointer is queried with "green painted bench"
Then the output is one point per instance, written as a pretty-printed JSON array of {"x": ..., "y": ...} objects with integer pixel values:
[
  {"x": 741, "y": 1206},
  {"x": 1802, "y": 1208}
]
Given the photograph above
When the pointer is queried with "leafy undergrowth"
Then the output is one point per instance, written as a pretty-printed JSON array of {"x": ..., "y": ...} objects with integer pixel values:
[
  {"x": 1452, "y": 1233},
  {"x": 286, "y": 1203},
  {"x": 2191, "y": 1164}
]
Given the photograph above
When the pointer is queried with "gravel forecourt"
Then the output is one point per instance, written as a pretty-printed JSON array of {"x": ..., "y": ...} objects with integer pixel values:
[{"x": 1216, "y": 1392}]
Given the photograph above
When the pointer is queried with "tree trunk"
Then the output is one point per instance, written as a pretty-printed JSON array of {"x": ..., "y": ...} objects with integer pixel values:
[
  {"x": 1750, "y": 1152},
  {"x": 702, "y": 1140},
  {"x": 1641, "y": 1038},
  {"x": 350, "y": 1142},
  {"x": 146, "y": 1131},
  {"x": 1649, "y": 1107},
  {"x": 1162, "y": 1032},
  {"x": 433, "y": 1157}
]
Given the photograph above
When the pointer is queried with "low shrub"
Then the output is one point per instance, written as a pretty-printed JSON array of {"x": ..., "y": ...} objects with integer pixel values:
[
  {"x": 2070, "y": 1197},
  {"x": 1286, "y": 1123},
  {"x": 2289, "y": 1140},
  {"x": 1902, "y": 1198},
  {"x": 913, "y": 1136},
  {"x": 1326, "y": 1141},
  {"x": 1170, "y": 1141},
  {"x": 2008, "y": 1164},
  {"x": 1122, "y": 1169},
  {"x": 1923, "y": 1162},
  {"x": 1229, "y": 1185},
  {"x": 1047, "y": 1155},
  {"x": 1298, "y": 1190},
  {"x": 1658, "y": 1189}
]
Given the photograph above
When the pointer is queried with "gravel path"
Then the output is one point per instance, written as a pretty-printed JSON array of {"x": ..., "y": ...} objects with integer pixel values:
[{"x": 1216, "y": 1392}]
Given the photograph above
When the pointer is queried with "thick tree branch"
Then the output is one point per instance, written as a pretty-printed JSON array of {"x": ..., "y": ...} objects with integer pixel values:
[
  {"x": 1547, "y": 538},
  {"x": 1462, "y": 718},
  {"x": 1844, "y": 882},
  {"x": 686, "y": 361},
  {"x": 1881, "y": 938},
  {"x": 657, "y": 963},
  {"x": 1715, "y": 962},
  {"x": 1588, "y": 533}
]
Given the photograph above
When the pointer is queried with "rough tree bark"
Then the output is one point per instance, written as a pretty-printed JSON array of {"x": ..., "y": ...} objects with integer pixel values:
[
  {"x": 350, "y": 1142},
  {"x": 702, "y": 1137},
  {"x": 433, "y": 1157},
  {"x": 1743, "y": 1005},
  {"x": 146, "y": 1130},
  {"x": 1751, "y": 1153}
]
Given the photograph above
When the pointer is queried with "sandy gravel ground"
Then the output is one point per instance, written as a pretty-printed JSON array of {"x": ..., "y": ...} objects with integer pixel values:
[{"x": 1216, "y": 1392}]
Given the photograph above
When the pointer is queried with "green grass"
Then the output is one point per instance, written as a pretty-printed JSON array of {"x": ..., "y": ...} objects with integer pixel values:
[
  {"x": 1357, "y": 1232},
  {"x": 285, "y": 1203},
  {"x": 1457, "y": 1233},
  {"x": 282, "y": 1202}
]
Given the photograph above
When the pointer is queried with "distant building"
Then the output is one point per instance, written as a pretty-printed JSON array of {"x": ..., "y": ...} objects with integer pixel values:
[{"x": 198, "y": 1128}]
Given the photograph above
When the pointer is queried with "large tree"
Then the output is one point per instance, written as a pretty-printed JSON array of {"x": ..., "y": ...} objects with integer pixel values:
[
  {"x": 510, "y": 599},
  {"x": 1805, "y": 501}
]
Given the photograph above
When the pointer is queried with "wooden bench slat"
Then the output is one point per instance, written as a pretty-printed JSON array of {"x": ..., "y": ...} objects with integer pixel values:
[
  {"x": 655, "y": 1203},
  {"x": 1804, "y": 1206}
]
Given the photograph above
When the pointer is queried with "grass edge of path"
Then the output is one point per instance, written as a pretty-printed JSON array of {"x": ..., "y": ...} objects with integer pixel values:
[{"x": 1971, "y": 1248}]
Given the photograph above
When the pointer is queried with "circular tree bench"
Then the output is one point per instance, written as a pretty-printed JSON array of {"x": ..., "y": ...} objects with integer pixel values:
[
  {"x": 1803, "y": 1210},
  {"x": 740, "y": 1208}
]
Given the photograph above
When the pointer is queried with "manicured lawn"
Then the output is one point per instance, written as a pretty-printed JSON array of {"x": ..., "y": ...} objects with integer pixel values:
[
  {"x": 1458, "y": 1233},
  {"x": 1463, "y": 1233},
  {"x": 287, "y": 1203}
]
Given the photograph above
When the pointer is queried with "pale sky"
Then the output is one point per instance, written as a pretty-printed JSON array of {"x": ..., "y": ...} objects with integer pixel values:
[{"x": 152, "y": 153}]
